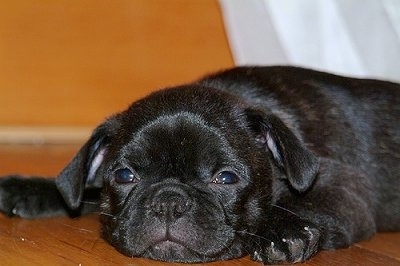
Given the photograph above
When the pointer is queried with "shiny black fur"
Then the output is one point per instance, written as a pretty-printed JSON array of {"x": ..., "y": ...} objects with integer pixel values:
[{"x": 275, "y": 162}]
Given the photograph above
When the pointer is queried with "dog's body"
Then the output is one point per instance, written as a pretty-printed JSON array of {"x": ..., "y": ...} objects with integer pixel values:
[{"x": 275, "y": 162}]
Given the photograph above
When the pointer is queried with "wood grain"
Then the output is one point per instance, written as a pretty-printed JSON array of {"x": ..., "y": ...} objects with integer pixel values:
[{"x": 73, "y": 62}]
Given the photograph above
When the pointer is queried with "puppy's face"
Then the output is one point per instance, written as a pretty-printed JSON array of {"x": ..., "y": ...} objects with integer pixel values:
[
  {"x": 187, "y": 174},
  {"x": 179, "y": 186}
]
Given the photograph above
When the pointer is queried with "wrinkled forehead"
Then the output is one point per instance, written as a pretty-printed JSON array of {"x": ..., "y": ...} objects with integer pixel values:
[
  {"x": 180, "y": 132},
  {"x": 181, "y": 140},
  {"x": 181, "y": 125}
]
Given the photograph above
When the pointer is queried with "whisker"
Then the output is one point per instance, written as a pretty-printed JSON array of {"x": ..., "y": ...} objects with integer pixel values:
[
  {"x": 252, "y": 234},
  {"x": 107, "y": 214},
  {"x": 284, "y": 209},
  {"x": 90, "y": 202}
]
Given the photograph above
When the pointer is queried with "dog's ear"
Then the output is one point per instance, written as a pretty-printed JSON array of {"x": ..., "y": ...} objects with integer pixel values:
[
  {"x": 82, "y": 171},
  {"x": 298, "y": 163}
]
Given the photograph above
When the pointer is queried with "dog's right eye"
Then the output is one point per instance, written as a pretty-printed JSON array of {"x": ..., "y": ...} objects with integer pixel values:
[
  {"x": 125, "y": 175},
  {"x": 225, "y": 178}
]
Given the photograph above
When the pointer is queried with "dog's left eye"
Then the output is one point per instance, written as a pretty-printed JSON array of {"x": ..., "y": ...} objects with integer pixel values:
[
  {"x": 125, "y": 175},
  {"x": 225, "y": 178}
]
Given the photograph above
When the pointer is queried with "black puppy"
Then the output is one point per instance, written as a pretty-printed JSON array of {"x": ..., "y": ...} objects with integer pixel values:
[{"x": 275, "y": 162}]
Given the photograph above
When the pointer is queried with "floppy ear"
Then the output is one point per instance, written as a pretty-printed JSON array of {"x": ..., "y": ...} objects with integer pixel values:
[
  {"x": 81, "y": 172},
  {"x": 298, "y": 163}
]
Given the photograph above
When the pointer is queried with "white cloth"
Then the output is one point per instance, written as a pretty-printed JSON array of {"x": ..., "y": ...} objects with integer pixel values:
[{"x": 351, "y": 37}]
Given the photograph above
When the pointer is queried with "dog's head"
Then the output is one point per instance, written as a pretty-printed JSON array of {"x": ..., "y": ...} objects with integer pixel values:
[{"x": 186, "y": 174}]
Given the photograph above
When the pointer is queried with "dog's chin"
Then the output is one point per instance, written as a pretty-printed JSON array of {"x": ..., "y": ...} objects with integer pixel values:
[{"x": 170, "y": 251}]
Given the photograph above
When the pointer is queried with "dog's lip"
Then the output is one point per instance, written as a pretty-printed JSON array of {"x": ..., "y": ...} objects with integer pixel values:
[
  {"x": 168, "y": 242},
  {"x": 171, "y": 251}
]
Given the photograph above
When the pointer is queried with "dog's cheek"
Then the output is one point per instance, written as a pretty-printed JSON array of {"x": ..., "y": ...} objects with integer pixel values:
[
  {"x": 253, "y": 213},
  {"x": 110, "y": 205},
  {"x": 108, "y": 200},
  {"x": 112, "y": 215},
  {"x": 257, "y": 199},
  {"x": 107, "y": 214},
  {"x": 239, "y": 208}
]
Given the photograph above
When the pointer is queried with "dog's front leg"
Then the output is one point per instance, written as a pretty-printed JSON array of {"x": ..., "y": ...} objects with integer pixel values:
[
  {"x": 284, "y": 237},
  {"x": 39, "y": 197},
  {"x": 335, "y": 213}
]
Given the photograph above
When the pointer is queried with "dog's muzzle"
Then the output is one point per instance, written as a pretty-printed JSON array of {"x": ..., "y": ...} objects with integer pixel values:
[{"x": 170, "y": 203}]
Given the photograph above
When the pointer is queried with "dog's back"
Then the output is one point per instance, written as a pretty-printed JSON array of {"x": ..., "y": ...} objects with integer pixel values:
[{"x": 352, "y": 121}]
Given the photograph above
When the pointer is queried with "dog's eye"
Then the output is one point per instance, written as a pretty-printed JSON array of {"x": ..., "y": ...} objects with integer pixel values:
[
  {"x": 125, "y": 175},
  {"x": 225, "y": 178}
]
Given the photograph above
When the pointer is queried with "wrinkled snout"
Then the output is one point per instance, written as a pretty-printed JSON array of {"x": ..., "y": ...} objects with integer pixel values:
[{"x": 170, "y": 203}]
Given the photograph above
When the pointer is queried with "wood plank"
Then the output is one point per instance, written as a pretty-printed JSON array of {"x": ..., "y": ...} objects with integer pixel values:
[
  {"x": 352, "y": 256},
  {"x": 44, "y": 135},
  {"x": 387, "y": 244},
  {"x": 73, "y": 62}
]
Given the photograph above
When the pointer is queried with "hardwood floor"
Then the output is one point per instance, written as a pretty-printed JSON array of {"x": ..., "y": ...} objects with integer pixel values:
[{"x": 65, "y": 241}]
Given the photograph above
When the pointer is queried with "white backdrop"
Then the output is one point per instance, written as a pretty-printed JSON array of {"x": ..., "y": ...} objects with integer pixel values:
[{"x": 351, "y": 37}]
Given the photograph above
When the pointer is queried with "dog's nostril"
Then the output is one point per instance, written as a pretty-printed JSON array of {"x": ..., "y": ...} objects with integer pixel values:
[
  {"x": 171, "y": 205},
  {"x": 179, "y": 208},
  {"x": 158, "y": 207}
]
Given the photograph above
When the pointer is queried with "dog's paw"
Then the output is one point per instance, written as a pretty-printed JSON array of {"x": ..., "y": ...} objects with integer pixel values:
[
  {"x": 290, "y": 244},
  {"x": 29, "y": 197}
]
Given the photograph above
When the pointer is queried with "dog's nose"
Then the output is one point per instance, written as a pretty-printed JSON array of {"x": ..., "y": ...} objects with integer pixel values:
[{"x": 170, "y": 203}]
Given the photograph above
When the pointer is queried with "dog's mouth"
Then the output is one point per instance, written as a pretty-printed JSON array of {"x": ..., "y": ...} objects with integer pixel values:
[
  {"x": 171, "y": 250},
  {"x": 174, "y": 248},
  {"x": 168, "y": 246},
  {"x": 177, "y": 246}
]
